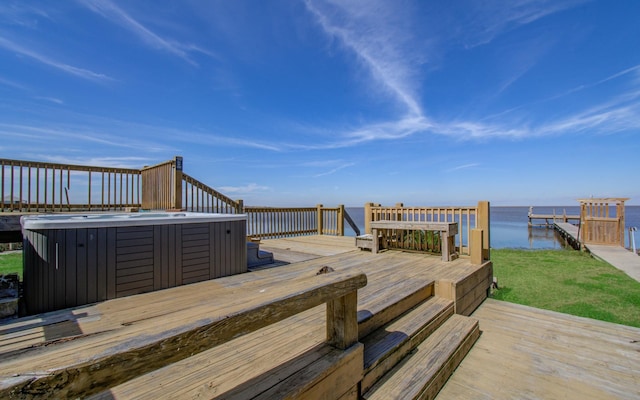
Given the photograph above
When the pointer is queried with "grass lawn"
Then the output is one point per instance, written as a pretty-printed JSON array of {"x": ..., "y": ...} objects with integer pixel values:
[
  {"x": 11, "y": 262},
  {"x": 567, "y": 281}
]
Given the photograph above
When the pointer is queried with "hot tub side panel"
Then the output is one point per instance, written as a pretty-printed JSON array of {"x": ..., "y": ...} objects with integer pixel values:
[{"x": 71, "y": 267}]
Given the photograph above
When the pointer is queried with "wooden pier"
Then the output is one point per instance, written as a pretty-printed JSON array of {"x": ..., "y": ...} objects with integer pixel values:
[
  {"x": 570, "y": 233},
  {"x": 550, "y": 219}
]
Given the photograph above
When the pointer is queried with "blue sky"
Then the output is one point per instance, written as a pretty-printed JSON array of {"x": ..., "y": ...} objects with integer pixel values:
[{"x": 284, "y": 102}]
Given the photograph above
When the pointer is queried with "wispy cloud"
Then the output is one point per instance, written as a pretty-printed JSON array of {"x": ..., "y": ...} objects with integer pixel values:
[
  {"x": 380, "y": 46},
  {"x": 115, "y": 14},
  {"x": 50, "y": 99},
  {"x": 12, "y": 84},
  {"x": 459, "y": 167},
  {"x": 633, "y": 82},
  {"x": 617, "y": 115},
  {"x": 210, "y": 138},
  {"x": 69, "y": 69},
  {"x": 76, "y": 134},
  {"x": 334, "y": 170},
  {"x": 21, "y": 14},
  {"x": 249, "y": 188},
  {"x": 490, "y": 19}
]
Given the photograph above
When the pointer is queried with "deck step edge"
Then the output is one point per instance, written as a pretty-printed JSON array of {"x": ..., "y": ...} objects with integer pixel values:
[
  {"x": 424, "y": 372},
  {"x": 388, "y": 345},
  {"x": 370, "y": 320}
]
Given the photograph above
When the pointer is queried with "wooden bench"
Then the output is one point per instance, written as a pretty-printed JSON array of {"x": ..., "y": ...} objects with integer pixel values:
[
  {"x": 86, "y": 350},
  {"x": 448, "y": 231}
]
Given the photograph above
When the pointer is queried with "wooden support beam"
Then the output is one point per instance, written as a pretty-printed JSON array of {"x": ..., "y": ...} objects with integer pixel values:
[
  {"x": 342, "y": 321},
  {"x": 484, "y": 217},
  {"x": 476, "y": 245},
  {"x": 177, "y": 183},
  {"x": 319, "y": 219},
  {"x": 340, "y": 221}
]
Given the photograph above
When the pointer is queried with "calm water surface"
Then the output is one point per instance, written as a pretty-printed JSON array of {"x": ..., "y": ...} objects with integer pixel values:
[{"x": 509, "y": 227}]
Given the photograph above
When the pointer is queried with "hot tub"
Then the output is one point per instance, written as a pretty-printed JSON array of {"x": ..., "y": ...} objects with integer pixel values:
[{"x": 76, "y": 259}]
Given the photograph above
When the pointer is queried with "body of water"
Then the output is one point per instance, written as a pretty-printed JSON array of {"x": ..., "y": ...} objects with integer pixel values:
[{"x": 509, "y": 226}]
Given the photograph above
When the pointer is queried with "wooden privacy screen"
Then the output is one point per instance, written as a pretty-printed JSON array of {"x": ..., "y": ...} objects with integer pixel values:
[{"x": 602, "y": 221}]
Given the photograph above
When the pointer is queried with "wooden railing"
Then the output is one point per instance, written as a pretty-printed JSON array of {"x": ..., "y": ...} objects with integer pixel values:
[
  {"x": 602, "y": 221},
  {"x": 29, "y": 186},
  {"x": 469, "y": 219},
  {"x": 278, "y": 222},
  {"x": 119, "y": 353},
  {"x": 166, "y": 187},
  {"x": 199, "y": 197}
]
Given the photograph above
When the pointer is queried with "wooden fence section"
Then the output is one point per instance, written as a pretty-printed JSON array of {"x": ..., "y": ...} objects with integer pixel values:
[
  {"x": 29, "y": 186},
  {"x": 469, "y": 219},
  {"x": 602, "y": 221},
  {"x": 279, "y": 222},
  {"x": 162, "y": 185}
]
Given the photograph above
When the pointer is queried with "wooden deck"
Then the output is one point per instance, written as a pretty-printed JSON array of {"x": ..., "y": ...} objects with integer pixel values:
[
  {"x": 528, "y": 353},
  {"x": 54, "y": 346}
]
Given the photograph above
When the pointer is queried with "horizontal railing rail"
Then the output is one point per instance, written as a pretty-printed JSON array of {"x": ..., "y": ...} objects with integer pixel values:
[{"x": 30, "y": 186}]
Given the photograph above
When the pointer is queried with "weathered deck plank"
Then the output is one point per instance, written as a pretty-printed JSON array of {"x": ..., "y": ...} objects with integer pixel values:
[{"x": 531, "y": 353}]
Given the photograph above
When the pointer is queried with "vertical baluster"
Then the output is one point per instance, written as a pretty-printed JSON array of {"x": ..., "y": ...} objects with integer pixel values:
[
  {"x": 11, "y": 202},
  {"x": 2, "y": 187},
  {"x": 29, "y": 188}
]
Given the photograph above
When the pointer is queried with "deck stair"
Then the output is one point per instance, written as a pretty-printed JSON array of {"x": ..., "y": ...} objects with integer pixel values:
[
  {"x": 424, "y": 372},
  {"x": 385, "y": 347},
  {"x": 395, "y": 324}
]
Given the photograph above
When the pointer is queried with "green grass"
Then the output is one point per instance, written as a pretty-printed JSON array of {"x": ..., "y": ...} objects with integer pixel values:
[
  {"x": 10, "y": 263},
  {"x": 567, "y": 281}
]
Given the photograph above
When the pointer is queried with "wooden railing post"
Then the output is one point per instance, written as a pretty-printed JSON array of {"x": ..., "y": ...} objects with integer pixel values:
[
  {"x": 398, "y": 214},
  {"x": 342, "y": 321},
  {"x": 340, "y": 217},
  {"x": 240, "y": 209},
  {"x": 484, "y": 217},
  {"x": 319, "y": 219},
  {"x": 620, "y": 216},
  {"x": 476, "y": 245},
  {"x": 367, "y": 218},
  {"x": 176, "y": 201},
  {"x": 584, "y": 224}
]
